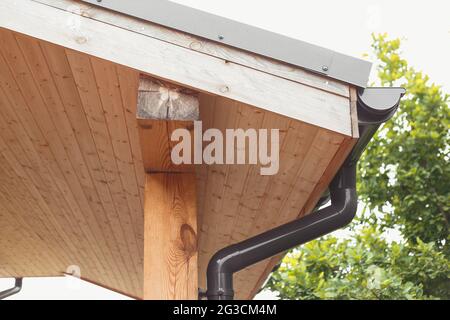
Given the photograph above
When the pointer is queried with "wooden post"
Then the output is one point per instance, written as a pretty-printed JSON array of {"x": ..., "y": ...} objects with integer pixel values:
[
  {"x": 170, "y": 237},
  {"x": 170, "y": 212}
]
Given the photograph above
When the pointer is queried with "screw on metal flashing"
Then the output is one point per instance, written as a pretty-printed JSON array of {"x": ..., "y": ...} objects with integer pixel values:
[
  {"x": 221, "y": 37},
  {"x": 324, "y": 68}
]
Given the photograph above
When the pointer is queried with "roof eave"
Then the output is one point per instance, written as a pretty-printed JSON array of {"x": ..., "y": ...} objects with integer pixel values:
[{"x": 242, "y": 36}]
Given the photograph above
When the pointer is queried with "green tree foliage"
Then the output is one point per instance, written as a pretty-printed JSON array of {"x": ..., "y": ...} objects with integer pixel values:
[
  {"x": 404, "y": 182},
  {"x": 406, "y": 166}
]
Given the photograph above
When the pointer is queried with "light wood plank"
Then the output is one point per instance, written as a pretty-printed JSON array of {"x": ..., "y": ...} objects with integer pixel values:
[
  {"x": 42, "y": 148},
  {"x": 207, "y": 106},
  {"x": 187, "y": 67},
  {"x": 170, "y": 255},
  {"x": 112, "y": 106},
  {"x": 63, "y": 78},
  {"x": 128, "y": 82},
  {"x": 88, "y": 91},
  {"x": 205, "y": 46}
]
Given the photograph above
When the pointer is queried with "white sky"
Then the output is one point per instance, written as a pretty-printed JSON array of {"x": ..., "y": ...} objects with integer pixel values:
[{"x": 343, "y": 26}]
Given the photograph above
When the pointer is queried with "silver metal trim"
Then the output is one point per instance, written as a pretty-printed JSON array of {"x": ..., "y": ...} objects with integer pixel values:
[{"x": 199, "y": 23}]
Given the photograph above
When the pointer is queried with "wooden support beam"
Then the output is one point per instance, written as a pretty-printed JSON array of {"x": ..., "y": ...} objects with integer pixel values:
[
  {"x": 164, "y": 101},
  {"x": 170, "y": 203},
  {"x": 170, "y": 237},
  {"x": 162, "y": 108}
]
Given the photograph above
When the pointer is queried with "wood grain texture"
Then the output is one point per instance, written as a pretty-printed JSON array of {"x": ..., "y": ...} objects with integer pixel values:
[
  {"x": 170, "y": 237},
  {"x": 68, "y": 165},
  {"x": 201, "y": 45},
  {"x": 161, "y": 109},
  {"x": 72, "y": 177},
  {"x": 163, "y": 101},
  {"x": 353, "y": 95},
  {"x": 156, "y": 144}
]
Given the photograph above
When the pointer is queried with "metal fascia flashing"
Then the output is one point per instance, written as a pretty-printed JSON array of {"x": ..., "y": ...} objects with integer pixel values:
[{"x": 239, "y": 35}]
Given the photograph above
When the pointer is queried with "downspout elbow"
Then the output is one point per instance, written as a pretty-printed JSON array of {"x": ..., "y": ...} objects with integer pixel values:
[
  {"x": 344, "y": 198},
  {"x": 234, "y": 258},
  {"x": 14, "y": 290}
]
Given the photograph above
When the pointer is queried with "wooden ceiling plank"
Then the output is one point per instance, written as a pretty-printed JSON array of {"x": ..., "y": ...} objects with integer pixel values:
[
  {"x": 13, "y": 236},
  {"x": 299, "y": 140},
  {"x": 225, "y": 114},
  {"x": 56, "y": 149},
  {"x": 129, "y": 83},
  {"x": 16, "y": 265},
  {"x": 202, "y": 45},
  {"x": 81, "y": 67},
  {"x": 13, "y": 148},
  {"x": 108, "y": 217},
  {"x": 111, "y": 102},
  {"x": 64, "y": 80},
  {"x": 50, "y": 99},
  {"x": 33, "y": 240},
  {"x": 257, "y": 187},
  {"x": 55, "y": 216},
  {"x": 207, "y": 106},
  {"x": 250, "y": 212},
  {"x": 38, "y": 67},
  {"x": 27, "y": 235},
  {"x": 337, "y": 161},
  {"x": 323, "y": 148},
  {"x": 35, "y": 220}
]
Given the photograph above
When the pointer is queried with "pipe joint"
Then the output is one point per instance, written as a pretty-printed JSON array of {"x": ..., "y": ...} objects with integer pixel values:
[{"x": 14, "y": 290}]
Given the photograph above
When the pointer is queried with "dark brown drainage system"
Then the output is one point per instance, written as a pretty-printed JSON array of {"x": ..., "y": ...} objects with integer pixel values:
[
  {"x": 16, "y": 289},
  {"x": 375, "y": 106}
]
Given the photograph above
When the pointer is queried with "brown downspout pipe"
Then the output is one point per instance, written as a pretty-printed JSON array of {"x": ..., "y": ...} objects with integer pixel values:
[
  {"x": 375, "y": 106},
  {"x": 16, "y": 289}
]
